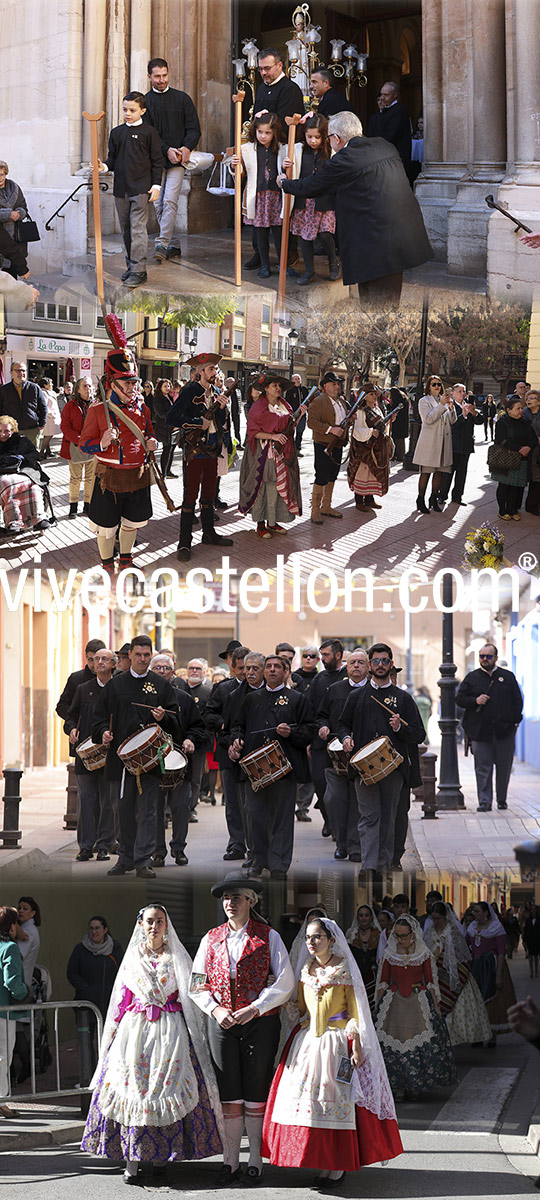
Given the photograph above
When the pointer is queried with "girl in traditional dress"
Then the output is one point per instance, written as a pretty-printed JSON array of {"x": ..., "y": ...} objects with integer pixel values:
[
  {"x": 461, "y": 1000},
  {"x": 368, "y": 471},
  {"x": 156, "y": 1096},
  {"x": 486, "y": 940},
  {"x": 363, "y": 939},
  {"x": 330, "y": 1104},
  {"x": 261, "y": 158},
  {"x": 269, "y": 475},
  {"x": 413, "y": 1036},
  {"x": 313, "y": 217}
]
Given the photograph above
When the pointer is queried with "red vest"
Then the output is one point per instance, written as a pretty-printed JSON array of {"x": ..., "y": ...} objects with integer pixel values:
[{"x": 252, "y": 968}]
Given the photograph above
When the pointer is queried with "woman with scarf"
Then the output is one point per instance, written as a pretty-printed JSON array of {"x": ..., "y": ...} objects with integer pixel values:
[
  {"x": 269, "y": 475},
  {"x": 71, "y": 423},
  {"x": 94, "y": 964},
  {"x": 330, "y": 1104},
  {"x": 21, "y": 476},
  {"x": 486, "y": 940},
  {"x": 363, "y": 938},
  {"x": 413, "y": 1036},
  {"x": 371, "y": 450},
  {"x": 461, "y": 1000},
  {"x": 155, "y": 1095}
]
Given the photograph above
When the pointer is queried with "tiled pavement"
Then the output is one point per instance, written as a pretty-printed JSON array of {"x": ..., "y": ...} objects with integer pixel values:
[{"x": 386, "y": 541}]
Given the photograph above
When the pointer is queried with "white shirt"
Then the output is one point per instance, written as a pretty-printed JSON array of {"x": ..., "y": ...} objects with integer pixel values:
[
  {"x": 271, "y": 997},
  {"x": 29, "y": 950}
]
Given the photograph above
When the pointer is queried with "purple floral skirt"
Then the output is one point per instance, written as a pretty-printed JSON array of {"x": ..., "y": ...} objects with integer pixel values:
[
  {"x": 194, "y": 1137},
  {"x": 307, "y": 223},
  {"x": 267, "y": 210}
]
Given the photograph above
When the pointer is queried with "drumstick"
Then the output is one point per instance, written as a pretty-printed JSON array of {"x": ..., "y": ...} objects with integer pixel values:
[
  {"x": 138, "y": 704},
  {"x": 274, "y": 727},
  {"x": 388, "y": 712}
]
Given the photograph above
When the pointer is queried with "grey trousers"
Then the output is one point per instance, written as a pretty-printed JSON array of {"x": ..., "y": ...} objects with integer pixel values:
[
  {"x": 133, "y": 217},
  {"x": 242, "y": 789},
  {"x": 342, "y": 808},
  {"x": 377, "y": 806},
  {"x": 498, "y": 753},
  {"x": 233, "y": 815},
  {"x": 198, "y": 763},
  {"x": 271, "y": 822},
  {"x": 304, "y": 795},
  {"x": 95, "y": 816},
  {"x": 178, "y": 801},
  {"x": 137, "y": 813},
  {"x": 167, "y": 204}
]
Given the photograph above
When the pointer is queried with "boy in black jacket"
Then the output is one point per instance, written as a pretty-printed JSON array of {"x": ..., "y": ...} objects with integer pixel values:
[{"x": 136, "y": 160}]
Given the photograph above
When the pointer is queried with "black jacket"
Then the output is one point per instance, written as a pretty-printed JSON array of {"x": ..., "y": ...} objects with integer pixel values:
[
  {"x": 136, "y": 159},
  {"x": 116, "y": 706},
  {"x": 18, "y": 452},
  {"x": 333, "y": 102},
  {"x": 265, "y": 710},
  {"x": 303, "y": 679},
  {"x": 73, "y": 682},
  {"x": 81, "y": 716},
  {"x": 31, "y": 411},
  {"x": 366, "y": 721},
  {"x": 463, "y": 431},
  {"x": 190, "y": 409},
  {"x": 333, "y": 703},
  {"x": 216, "y": 718},
  {"x": 174, "y": 116},
  {"x": 93, "y": 975},
  {"x": 504, "y": 709},
  {"x": 284, "y": 98},
  {"x": 393, "y": 124},
  {"x": 513, "y": 434},
  {"x": 316, "y": 694},
  {"x": 381, "y": 228},
  {"x": 311, "y": 162}
]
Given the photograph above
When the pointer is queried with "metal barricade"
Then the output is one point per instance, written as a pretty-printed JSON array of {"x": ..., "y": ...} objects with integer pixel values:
[{"x": 84, "y": 1040}]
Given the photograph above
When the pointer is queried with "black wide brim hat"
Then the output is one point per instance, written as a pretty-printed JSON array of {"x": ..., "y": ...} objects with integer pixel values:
[
  {"x": 235, "y": 880},
  {"x": 233, "y": 645},
  {"x": 262, "y": 380},
  {"x": 330, "y": 377}
]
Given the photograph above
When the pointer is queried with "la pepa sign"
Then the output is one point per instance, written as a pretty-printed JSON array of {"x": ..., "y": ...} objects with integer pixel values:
[{"x": 52, "y": 345}]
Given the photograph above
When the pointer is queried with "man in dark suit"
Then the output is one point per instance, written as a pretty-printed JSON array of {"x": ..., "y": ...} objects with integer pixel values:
[
  {"x": 393, "y": 124},
  {"x": 74, "y": 680},
  {"x": 25, "y": 402},
  {"x": 381, "y": 229},
  {"x": 330, "y": 101},
  {"x": 295, "y": 396}
]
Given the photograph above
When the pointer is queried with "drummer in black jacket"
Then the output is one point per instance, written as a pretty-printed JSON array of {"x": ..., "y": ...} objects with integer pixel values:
[
  {"x": 493, "y": 703},
  {"x": 277, "y": 714},
  {"x": 331, "y": 651},
  {"x": 97, "y": 813},
  {"x": 363, "y": 720},
  {"x": 130, "y": 701},
  {"x": 215, "y": 719},
  {"x": 192, "y": 737},
  {"x": 340, "y": 795}
]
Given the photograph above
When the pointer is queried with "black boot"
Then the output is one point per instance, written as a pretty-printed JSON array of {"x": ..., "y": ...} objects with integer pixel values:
[
  {"x": 210, "y": 537},
  {"x": 421, "y": 504},
  {"x": 72, "y": 510},
  {"x": 183, "y": 552},
  {"x": 434, "y": 504}
]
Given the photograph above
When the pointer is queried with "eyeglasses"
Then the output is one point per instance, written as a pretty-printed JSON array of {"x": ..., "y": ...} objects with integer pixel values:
[
  {"x": 435, "y": 384},
  {"x": 486, "y": 656},
  {"x": 308, "y": 655},
  {"x": 403, "y": 937},
  {"x": 382, "y": 662}
]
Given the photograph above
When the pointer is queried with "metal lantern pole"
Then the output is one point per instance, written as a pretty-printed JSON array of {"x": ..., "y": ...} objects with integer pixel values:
[{"x": 449, "y": 793}]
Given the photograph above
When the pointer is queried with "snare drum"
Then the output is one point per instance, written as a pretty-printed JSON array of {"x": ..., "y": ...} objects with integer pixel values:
[
  {"x": 338, "y": 757},
  {"x": 265, "y": 765},
  {"x": 92, "y": 755},
  {"x": 174, "y": 765},
  {"x": 145, "y": 750},
  {"x": 376, "y": 760}
]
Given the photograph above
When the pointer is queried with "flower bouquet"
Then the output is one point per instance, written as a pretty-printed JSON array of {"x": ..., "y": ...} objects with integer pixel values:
[{"x": 484, "y": 548}]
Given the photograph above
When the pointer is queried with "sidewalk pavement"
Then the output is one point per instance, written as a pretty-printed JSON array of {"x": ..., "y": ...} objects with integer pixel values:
[
  {"x": 386, "y": 541},
  {"x": 463, "y": 842}
]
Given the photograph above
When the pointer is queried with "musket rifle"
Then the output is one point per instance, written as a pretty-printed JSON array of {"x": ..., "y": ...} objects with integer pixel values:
[{"x": 337, "y": 443}]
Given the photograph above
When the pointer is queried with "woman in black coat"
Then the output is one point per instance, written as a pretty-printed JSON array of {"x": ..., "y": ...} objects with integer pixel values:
[
  {"x": 531, "y": 940},
  {"x": 94, "y": 963},
  {"x": 514, "y": 433},
  {"x": 162, "y": 402}
]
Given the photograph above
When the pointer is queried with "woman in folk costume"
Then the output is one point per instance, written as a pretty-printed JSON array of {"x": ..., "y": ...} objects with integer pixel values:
[
  {"x": 269, "y": 475},
  {"x": 461, "y": 999},
  {"x": 156, "y": 1096},
  {"x": 363, "y": 938},
  {"x": 413, "y": 1036},
  {"x": 330, "y": 1104},
  {"x": 368, "y": 470},
  {"x": 486, "y": 940}
]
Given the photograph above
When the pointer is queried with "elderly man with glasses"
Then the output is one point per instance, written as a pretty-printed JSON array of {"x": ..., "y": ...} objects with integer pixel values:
[
  {"x": 493, "y": 703},
  {"x": 363, "y": 719},
  {"x": 25, "y": 402}
]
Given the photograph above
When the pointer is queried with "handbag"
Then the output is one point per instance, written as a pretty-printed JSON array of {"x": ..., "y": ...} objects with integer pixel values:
[
  {"x": 25, "y": 231},
  {"x": 501, "y": 460}
]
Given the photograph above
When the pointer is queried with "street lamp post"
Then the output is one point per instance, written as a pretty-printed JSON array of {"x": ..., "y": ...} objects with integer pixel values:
[
  {"x": 449, "y": 793},
  {"x": 294, "y": 339}
]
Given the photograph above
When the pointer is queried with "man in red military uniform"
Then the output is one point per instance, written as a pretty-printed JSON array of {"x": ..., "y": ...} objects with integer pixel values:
[
  {"x": 237, "y": 959},
  {"x": 121, "y": 496}
]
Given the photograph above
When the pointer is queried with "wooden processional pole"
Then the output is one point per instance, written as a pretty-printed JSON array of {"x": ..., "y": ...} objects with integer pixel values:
[{"x": 292, "y": 122}]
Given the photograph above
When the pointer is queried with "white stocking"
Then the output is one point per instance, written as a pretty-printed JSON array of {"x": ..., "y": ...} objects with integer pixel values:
[
  {"x": 234, "y": 1128},
  {"x": 254, "y": 1124},
  {"x": 126, "y": 538},
  {"x": 131, "y": 1167},
  {"x": 105, "y": 547}
]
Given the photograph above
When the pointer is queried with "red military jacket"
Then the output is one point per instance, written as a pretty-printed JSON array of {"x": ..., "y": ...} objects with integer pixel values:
[{"x": 126, "y": 451}]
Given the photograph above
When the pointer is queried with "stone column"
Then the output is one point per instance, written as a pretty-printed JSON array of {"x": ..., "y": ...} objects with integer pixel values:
[
  {"x": 140, "y": 40},
  {"x": 513, "y": 268},
  {"x": 443, "y": 61}
]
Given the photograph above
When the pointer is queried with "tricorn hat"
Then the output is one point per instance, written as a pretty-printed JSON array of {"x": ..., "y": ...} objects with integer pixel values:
[
  {"x": 233, "y": 645},
  {"x": 203, "y": 360}
]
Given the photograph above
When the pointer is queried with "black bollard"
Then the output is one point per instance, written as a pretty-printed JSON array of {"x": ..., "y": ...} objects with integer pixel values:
[
  {"x": 70, "y": 815},
  {"x": 10, "y": 835},
  {"x": 427, "y": 770}
]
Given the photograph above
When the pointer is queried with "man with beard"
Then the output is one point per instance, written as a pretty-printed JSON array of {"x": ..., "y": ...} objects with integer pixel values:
[
  {"x": 174, "y": 115},
  {"x": 95, "y": 808},
  {"x": 120, "y": 501},
  {"x": 493, "y": 703},
  {"x": 340, "y": 796},
  {"x": 331, "y": 652},
  {"x": 363, "y": 720},
  {"x": 302, "y": 679},
  {"x": 216, "y": 719},
  {"x": 201, "y": 415}
]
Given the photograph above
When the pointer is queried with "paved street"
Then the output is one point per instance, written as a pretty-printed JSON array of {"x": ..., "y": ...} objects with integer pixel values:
[
  {"x": 386, "y": 541},
  {"x": 471, "y": 1142},
  {"x": 462, "y": 842}
]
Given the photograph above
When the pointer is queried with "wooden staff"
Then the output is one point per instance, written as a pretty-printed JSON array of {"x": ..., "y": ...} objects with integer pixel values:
[
  {"x": 96, "y": 198},
  {"x": 237, "y": 101},
  {"x": 389, "y": 711},
  {"x": 292, "y": 122}
]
